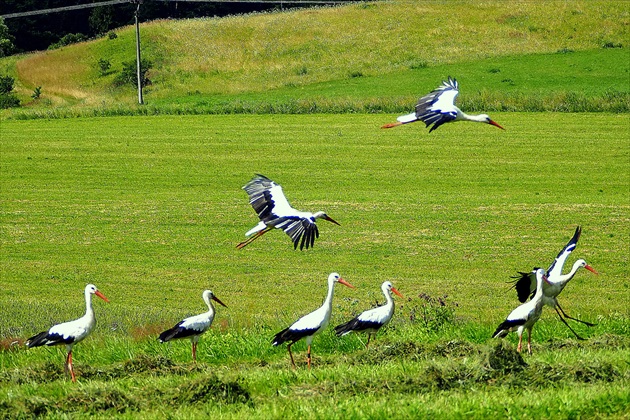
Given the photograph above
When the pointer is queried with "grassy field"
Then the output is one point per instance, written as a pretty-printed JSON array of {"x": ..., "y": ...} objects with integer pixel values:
[
  {"x": 149, "y": 207},
  {"x": 150, "y": 210}
]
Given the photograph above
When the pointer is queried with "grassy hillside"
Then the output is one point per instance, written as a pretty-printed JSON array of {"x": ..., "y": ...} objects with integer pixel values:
[{"x": 292, "y": 50}]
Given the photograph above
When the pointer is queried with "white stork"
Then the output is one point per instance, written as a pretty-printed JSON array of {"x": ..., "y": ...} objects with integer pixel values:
[
  {"x": 525, "y": 284},
  {"x": 70, "y": 333},
  {"x": 525, "y": 316},
  {"x": 373, "y": 319},
  {"x": 438, "y": 107},
  {"x": 311, "y": 324},
  {"x": 274, "y": 211},
  {"x": 192, "y": 327}
]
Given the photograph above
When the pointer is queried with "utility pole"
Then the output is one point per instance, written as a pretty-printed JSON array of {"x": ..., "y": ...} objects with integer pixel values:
[{"x": 138, "y": 65}]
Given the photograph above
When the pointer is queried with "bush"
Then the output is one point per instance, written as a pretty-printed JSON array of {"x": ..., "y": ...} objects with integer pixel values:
[
  {"x": 7, "y": 98},
  {"x": 67, "y": 40},
  {"x": 128, "y": 75},
  {"x": 9, "y": 101},
  {"x": 433, "y": 313},
  {"x": 6, "y": 84},
  {"x": 37, "y": 92},
  {"x": 103, "y": 66}
]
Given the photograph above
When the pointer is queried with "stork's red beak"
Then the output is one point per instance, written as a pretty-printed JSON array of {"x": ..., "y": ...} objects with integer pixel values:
[
  {"x": 331, "y": 220},
  {"x": 397, "y": 292},
  {"x": 591, "y": 269},
  {"x": 102, "y": 296},
  {"x": 495, "y": 124},
  {"x": 345, "y": 283},
  {"x": 216, "y": 299}
]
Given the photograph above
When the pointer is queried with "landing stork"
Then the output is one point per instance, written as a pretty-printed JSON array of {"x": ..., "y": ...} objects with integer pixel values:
[
  {"x": 311, "y": 324},
  {"x": 70, "y": 333},
  {"x": 371, "y": 320},
  {"x": 525, "y": 316},
  {"x": 438, "y": 107},
  {"x": 274, "y": 211},
  {"x": 192, "y": 327},
  {"x": 525, "y": 284}
]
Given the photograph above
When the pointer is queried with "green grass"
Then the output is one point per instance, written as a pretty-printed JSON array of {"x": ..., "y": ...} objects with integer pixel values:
[{"x": 150, "y": 210}]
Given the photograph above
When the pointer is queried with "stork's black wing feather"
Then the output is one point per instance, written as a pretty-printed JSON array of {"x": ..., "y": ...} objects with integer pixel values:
[
  {"x": 564, "y": 253},
  {"x": 525, "y": 285},
  {"x": 260, "y": 197},
  {"x": 424, "y": 108}
]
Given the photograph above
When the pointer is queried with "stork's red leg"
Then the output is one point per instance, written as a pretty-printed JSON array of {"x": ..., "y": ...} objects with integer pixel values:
[
  {"x": 520, "y": 343},
  {"x": 256, "y": 236},
  {"x": 368, "y": 342},
  {"x": 291, "y": 354},
  {"x": 194, "y": 351},
  {"x": 308, "y": 356},
  {"x": 69, "y": 366}
]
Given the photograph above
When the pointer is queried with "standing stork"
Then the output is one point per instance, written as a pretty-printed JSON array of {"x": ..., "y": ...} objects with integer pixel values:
[
  {"x": 274, "y": 211},
  {"x": 438, "y": 107},
  {"x": 310, "y": 324},
  {"x": 192, "y": 327},
  {"x": 373, "y": 319},
  {"x": 526, "y": 282},
  {"x": 70, "y": 333},
  {"x": 525, "y": 316}
]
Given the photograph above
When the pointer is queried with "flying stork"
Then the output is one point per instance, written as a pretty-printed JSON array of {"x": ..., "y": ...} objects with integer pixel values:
[
  {"x": 70, "y": 333},
  {"x": 525, "y": 284},
  {"x": 525, "y": 316},
  {"x": 310, "y": 324},
  {"x": 373, "y": 319},
  {"x": 192, "y": 327},
  {"x": 274, "y": 211},
  {"x": 438, "y": 107}
]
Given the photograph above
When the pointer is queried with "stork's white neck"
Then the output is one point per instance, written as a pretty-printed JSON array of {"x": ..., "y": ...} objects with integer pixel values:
[
  {"x": 329, "y": 296},
  {"x": 539, "y": 286},
  {"x": 462, "y": 116},
  {"x": 209, "y": 303},
  {"x": 88, "y": 303},
  {"x": 566, "y": 277},
  {"x": 388, "y": 297}
]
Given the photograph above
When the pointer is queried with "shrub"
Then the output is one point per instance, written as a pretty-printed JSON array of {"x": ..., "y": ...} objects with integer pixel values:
[
  {"x": 6, "y": 84},
  {"x": 9, "y": 101},
  {"x": 432, "y": 313},
  {"x": 37, "y": 92},
  {"x": 67, "y": 40},
  {"x": 103, "y": 66},
  {"x": 128, "y": 75},
  {"x": 7, "y": 98}
]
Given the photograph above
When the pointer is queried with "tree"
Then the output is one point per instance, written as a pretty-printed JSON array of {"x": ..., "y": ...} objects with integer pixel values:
[{"x": 6, "y": 40}]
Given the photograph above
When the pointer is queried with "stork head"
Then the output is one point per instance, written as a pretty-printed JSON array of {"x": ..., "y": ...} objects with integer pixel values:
[
  {"x": 322, "y": 215},
  {"x": 588, "y": 267},
  {"x": 208, "y": 296},
  {"x": 92, "y": 290},
  {"x": 486, "y": 118},
  {"x": 388, "y": 286},
  {"x": 336, "y": 278}
]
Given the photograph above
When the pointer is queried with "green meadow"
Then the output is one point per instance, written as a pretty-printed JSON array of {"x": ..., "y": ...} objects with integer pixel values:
[
  {"x": 146, "y": 203},
  {"x": 150, "y": 210}
]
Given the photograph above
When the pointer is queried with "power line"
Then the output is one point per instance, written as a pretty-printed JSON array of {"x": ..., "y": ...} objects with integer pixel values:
[
  {"x": 62, "y": 9},
  {"x": 112, "y": 2}
]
